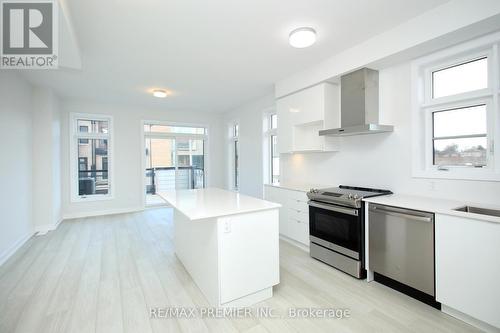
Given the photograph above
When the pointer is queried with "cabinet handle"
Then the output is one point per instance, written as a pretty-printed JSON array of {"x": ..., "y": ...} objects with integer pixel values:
[{"x": 401, "y": 213}]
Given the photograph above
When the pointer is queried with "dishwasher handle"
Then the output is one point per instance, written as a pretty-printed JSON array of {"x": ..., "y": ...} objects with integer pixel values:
[{"x": 403, "y": 213}]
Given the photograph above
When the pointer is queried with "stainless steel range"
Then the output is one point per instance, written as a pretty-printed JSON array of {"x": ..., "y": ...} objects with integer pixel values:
[{"x": 336, "y": 226}]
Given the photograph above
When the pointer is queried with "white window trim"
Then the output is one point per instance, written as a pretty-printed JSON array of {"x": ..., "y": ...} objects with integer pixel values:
[
  {"x": 74, "y": 135},
  {"x": 268, "y": 133},
  {"x": 144, "y": 135},
  {"x": 423, "y": 105}
]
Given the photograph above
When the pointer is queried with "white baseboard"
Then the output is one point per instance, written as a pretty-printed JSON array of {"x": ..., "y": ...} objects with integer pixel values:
[
  {"x": 301, "y": 246},
  {"x": 43, "y": 229},
  {"x": 79, "y": 215},
  {"x": 468, "y": 319},
  {"x": 13, "y": 248}
]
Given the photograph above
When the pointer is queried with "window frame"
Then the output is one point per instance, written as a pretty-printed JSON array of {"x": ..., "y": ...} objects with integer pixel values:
[
  {"x": 234, "y": 132},
  {"x": 269, "y": 134},
  {"x": 271, "y": 158},
  {"x": 453, "y": 61},
  {"x": 75, "y": 135},
  {"x": 424, "y": 105},
  {"x": 236, "y": 169},
  {"x": 490, "y": 162}
]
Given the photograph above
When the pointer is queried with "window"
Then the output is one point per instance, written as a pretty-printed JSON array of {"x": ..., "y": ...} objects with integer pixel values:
[
  {"x": 105, "y": 166},
  {"x": 174, "y": 158},
  {"x": 82, "y": 163},
  {"x": 460, "y": 137},
  {"x": 84, "y": 129},
  {"x": 469, "y": 76},
  {"x": 275, "y": 161},
  {"x": 183, "y": 161},
  {"x": 177, "y": 129},
  {"x": 274, "y": 121},
  {"x": 272, "y": 139},
  {"x": 90, "y": 153},
  {"x": 456, "y": 94},
  {"x": 235, "y": 156},
  {"x": 236, "y": 130},
  {"x": 183, "y": 145}
]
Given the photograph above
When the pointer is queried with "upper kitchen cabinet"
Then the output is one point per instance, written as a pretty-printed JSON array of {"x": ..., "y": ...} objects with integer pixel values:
[{"x": 303, "y": 114}]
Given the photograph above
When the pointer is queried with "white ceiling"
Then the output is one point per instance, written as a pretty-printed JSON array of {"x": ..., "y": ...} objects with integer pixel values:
[{"x": 213, "y": 55}]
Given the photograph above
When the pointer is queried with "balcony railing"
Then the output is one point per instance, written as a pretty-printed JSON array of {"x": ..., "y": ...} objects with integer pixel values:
[{"x": 169, "y": 178}]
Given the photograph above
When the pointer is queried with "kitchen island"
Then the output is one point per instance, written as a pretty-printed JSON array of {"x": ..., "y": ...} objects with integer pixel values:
[{"x": 228, "y": 242}]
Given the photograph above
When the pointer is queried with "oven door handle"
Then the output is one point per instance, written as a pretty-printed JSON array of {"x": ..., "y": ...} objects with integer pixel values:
[{"x": 353, "y": 212}]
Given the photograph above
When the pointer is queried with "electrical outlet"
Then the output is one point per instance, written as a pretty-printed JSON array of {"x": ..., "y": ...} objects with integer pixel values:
[{"x": 227, "y": 227}]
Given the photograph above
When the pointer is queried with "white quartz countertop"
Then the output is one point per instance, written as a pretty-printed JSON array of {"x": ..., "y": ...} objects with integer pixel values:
[
  {"x": 296, "y": 186},
  {"x": 433, "y": 205},
  {"x": 214, "y": 202}
]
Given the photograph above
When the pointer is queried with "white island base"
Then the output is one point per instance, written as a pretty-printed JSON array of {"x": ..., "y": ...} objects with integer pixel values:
[{"x": 233, "y": 259}]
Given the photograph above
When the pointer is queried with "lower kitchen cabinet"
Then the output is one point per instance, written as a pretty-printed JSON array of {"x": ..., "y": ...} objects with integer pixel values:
[
  {"x": 294, "y": 213},
  {"x": 468, "y": 267}
]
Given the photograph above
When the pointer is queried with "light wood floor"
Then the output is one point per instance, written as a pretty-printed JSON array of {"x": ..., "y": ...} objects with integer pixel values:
[{"x": 103, "y": 275}]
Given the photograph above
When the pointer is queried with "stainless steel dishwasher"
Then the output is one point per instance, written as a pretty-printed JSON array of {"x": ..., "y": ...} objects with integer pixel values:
[{"x": 401, "y": 245}]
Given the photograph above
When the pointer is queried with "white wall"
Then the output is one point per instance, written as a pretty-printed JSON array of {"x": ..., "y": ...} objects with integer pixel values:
[
  {"x": 250, "y": 120},
  {"x": 383, "y": 160},
  {"x": 46, "y": 160},
  {"x": 443, "y": 26},
  {"x": 15, "y": 162},
  {"x": 128, "y": 173},
  {"x": 56, "y": 164}
]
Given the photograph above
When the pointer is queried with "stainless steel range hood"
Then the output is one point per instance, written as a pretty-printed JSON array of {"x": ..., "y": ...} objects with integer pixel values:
[{"x": 358, "y": 105}]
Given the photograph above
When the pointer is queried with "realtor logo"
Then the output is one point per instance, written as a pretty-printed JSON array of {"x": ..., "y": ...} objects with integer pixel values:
[{"x": 29, "y": 34}]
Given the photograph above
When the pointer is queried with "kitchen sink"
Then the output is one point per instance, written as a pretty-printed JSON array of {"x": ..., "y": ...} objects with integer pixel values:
[{"x": 479, "y": 210}]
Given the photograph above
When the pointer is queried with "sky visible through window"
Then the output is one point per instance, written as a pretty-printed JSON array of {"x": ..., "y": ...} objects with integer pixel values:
[{"x": 462, "y": 78}]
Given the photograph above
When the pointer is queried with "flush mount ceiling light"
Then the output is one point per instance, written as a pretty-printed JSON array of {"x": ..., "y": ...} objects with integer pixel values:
[
  {"x": 302, "y": 37},
  {"x": 159, "y": 93}
]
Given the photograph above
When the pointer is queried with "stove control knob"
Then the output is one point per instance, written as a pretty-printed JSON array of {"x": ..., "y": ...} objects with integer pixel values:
[
  {"x": 349, "y": 196},
  {"x": 356, "y": 197},
  {"x": 313, "y": 190}
]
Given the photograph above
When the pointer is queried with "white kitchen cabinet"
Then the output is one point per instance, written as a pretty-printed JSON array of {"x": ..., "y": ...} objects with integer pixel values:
[
  {"x": 468, "y": 267},
  {"x": 284, "y": 131},
  {"x": 294, "y": 213},
  {"x": 275, "y": 194},
  {"x": 303, "y": 114}
]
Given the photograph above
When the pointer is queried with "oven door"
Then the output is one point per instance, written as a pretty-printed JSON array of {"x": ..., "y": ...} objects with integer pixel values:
[{"x": 335, "y": 227}]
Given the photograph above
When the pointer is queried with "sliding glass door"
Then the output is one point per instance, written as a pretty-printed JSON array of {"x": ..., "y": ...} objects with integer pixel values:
[
  {"x": 190, "y": 163},
  {"x": 175, "y": 159}
]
